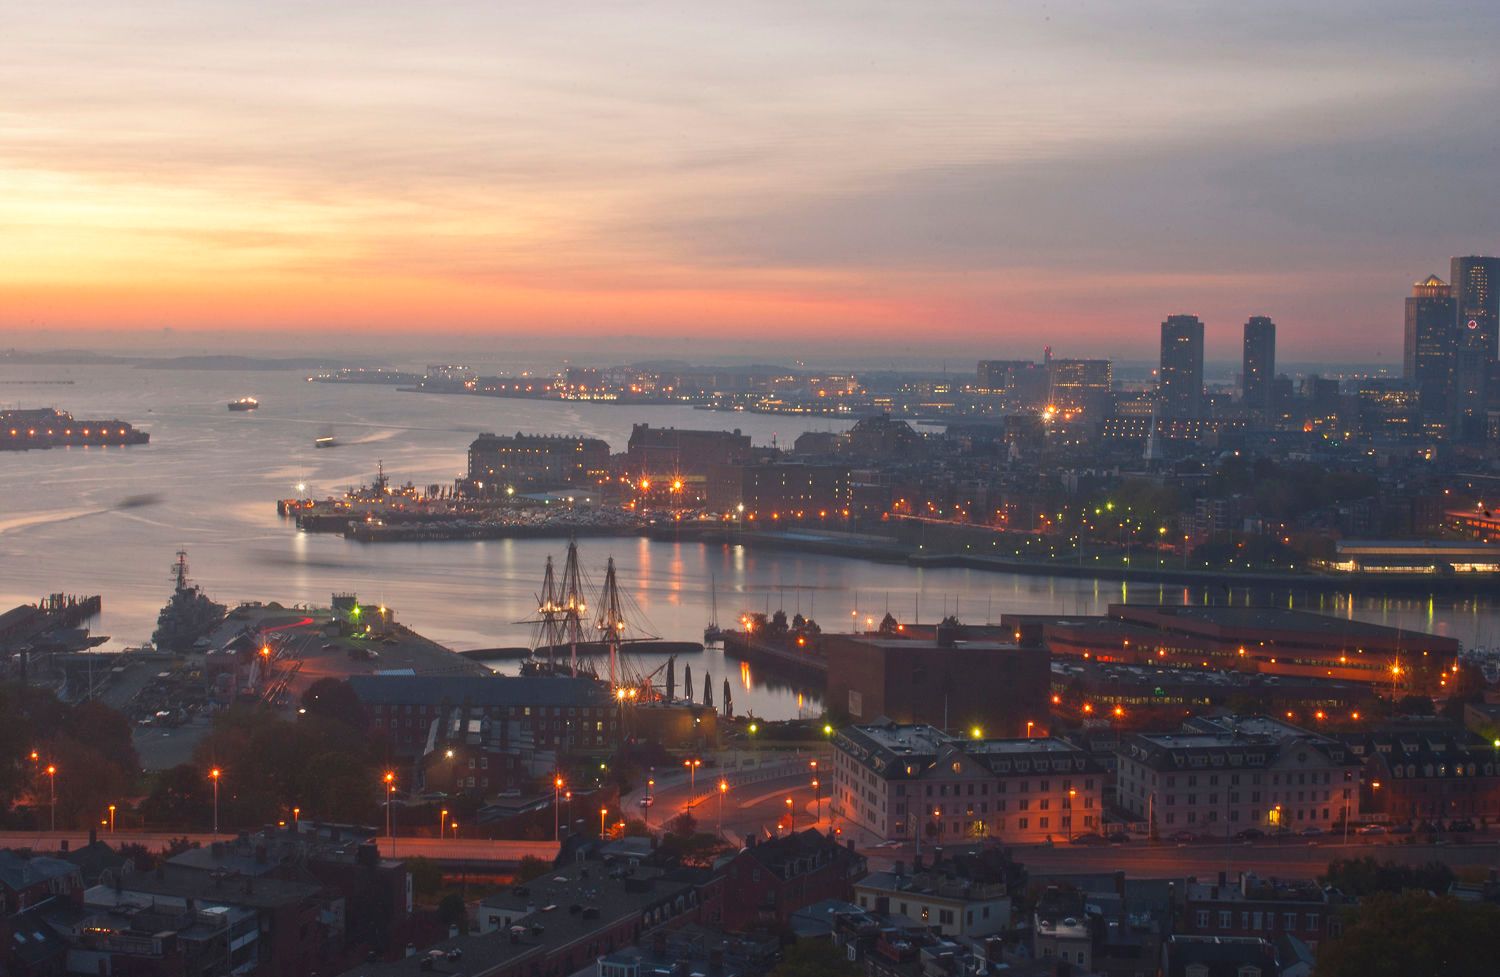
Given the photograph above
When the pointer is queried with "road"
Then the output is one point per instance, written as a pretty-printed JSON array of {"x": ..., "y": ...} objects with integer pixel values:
[{"x": 476, "y": 851}]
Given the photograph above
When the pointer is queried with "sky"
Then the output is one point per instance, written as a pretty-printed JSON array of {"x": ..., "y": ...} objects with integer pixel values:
[{"x": 687, "y": 177}]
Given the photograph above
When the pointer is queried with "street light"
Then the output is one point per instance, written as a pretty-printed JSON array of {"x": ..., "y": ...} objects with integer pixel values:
[
  {"x": 442, "y": 822},
  {"x": 723, "y": 789},
  {"x": 214, "y": 776},
  {"x": 1072, "y": 793},
  {"x": 390, "y": 825},
  {"x": 296, "y": 817},
  {"x": 791, "y": 811},
  {"x": 692, "y": 766},
  {"x": 1029, "y": 724},
  {"x": 52, "y": 781},
  {"x": 817, "y": 801},
  {"x": 650, "y": 799},
  {"x": 111, "y": 819},
  {"x": 557, "y": 786},
  {"x": 602, "y": 812}
]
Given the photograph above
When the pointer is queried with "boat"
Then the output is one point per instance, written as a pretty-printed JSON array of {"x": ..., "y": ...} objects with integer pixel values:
[
  {"x": 327, "y": 441},
  {"x": 713, "y": 633},
  {"x": 244, "y": 403},
  {"x": 189, "y": 616}
]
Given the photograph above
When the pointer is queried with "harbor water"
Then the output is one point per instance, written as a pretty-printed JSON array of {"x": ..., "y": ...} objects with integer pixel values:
[{"x": 109, "y": 521}]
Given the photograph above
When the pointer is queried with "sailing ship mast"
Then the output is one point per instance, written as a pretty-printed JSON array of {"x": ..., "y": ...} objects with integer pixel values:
[{"x": 574, "y": 606}]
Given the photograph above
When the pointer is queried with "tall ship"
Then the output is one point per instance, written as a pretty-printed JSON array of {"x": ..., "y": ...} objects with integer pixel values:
[
  {"x": 244, "y": 403},
  {"x": 47, "y": 427},
  {"x": 189, "y": 616}
]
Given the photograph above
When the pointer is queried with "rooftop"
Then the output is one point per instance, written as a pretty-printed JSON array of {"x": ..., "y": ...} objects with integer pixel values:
[{"x": 477, "y": 690}]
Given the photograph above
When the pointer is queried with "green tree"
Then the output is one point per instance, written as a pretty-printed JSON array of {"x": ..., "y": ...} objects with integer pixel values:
[
  {"x": 426, "y": 876},
  {"x": 1414, "y": 935},
  {"x": 334, "y": 698},
  {"x": 453, "y": 911},
  {"x": 814, "y": 958},
  {"x": 530, "y": 867},
  {"x": 1360, "y": 877}
]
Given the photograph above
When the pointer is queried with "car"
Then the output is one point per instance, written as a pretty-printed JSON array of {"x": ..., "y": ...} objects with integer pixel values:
[
  {"x": 1088, "y": 838},
  {"x": 1249, "y": 834},
  {"x": 329, "y": 646},
  {"x": 1311, "y": 831},
  {"x": 1184, "y": 836},
  {"x": 1371, "y": 829},
  {"x": 1118, "y": 837},
  {"x": 1462, "y": 825}
]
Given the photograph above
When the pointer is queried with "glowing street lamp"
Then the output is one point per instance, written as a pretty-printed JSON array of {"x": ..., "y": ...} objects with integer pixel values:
[
  {"x": 111, "y": 819},
  {"x": 1029, "y": 723},
  {"x": 557, "y": 786},
  {"x": 442, "y": 822},
  {"x": 1072, "y": 793},
  {"x": 214, "y": 776},
  {"x": 791, "y": 811},
  {"x": 390, "y": 824},
  {"x": 723, "y": 789},
  {"x": 603, "y": 812},
  {"x": 693, "y": 766}
]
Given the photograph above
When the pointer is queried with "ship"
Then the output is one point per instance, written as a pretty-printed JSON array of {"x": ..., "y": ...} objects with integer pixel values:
[
  {"x": 189, "y": 617},
  {"x": 47, "y": 427},
  {"x": 244, "y": 403},
  {"x": 326, "y": 441}
]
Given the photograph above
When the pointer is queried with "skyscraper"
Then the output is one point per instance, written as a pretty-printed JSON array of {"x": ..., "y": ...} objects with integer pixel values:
[
  {"x": 1476, "y": 296},
  {"x": 1179, "y": 383},
  {"x": 1080, "y": 384},
  {"x": 1259, "y": 364},
  {"x": 1430, "y": 333}
]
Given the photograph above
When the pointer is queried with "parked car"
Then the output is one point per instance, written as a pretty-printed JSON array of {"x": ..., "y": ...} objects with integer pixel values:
[
  {"x": 1185, "y": 836},
  {"x": 1311, "y": 831},
  {"x": 1401, "y": 829},
  {"x": 1249, "y": 834},
  {"x": 1461, "y": 825},
  {"x": 1089, "y": 838},
  {"x": 1118, "y": 837},
  {"x": 1372, "y": 829}
]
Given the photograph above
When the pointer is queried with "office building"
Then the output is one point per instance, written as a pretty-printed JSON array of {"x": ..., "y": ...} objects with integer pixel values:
[
  {"x": 1179, "y": 383},
  {"x": 1429, "y": 347},
  {"x": 1259, "y": 366},
  {"x": 657, "y": 452},
  {"x": 498, "y": 462},
  {"x": 1080, "y": 385},
  {"x": 1476, "y": 296},
  {"x": 1427, "y": 770},
  {"x": 1019, "y": 381}
]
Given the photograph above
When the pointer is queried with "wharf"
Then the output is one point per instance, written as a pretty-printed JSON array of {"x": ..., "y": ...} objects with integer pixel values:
[{"x": 738, "y": 644}]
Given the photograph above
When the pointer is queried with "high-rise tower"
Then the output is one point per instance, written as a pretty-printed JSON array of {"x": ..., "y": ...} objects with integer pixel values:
[
  {"x": 1259, "y": 367},
  {"x": 1179, "y": 383},
  {"x": 1476, "y": 296},
  {"x": 1430, "y": 346}
]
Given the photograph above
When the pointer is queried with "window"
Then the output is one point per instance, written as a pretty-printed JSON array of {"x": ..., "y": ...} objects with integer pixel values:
[
  {"x": 1226, "y": 919},
  {"x": 1203, "y": 919}
]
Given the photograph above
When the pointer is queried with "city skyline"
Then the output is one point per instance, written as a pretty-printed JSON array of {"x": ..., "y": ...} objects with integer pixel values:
[{"x": 991, "y": 176}]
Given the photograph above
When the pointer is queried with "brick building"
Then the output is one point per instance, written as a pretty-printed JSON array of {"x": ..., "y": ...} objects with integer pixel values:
[
  {"x": 1427, "y": 771},
  {"x": 906, "y": 782},
  {"x": 653, "y": 452},
  {"x": 767, "y": 881},
  {"x": 1219, "y": 776},
  {"x": 497, "y": 462},
  {"x": 1265, "y": 908},
  {"x": 533, "y": 713},
  {"x": 942, "y": 682}
]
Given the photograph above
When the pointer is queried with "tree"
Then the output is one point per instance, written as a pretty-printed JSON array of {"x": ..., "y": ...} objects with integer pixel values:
[
  {"x": 426, "y": 876},
  {"x": 530, "y": 867},
  {"x": 334, "y": 698},
  {"x": 453, "y": 911},
  {"x": 683, "y": 824},
  {"x": 1414, "y": 935},
  {"x": 889, "y": 625},
  {"x": 1360, "y": 877},
  {"x": 814, "y": 958},
  {"x": 182, "y": 797}
]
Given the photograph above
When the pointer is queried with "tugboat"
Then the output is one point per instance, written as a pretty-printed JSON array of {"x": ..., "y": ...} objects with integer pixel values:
[
  {"x": 189, "y": 616},
  {"x": 244, "y": 403},
  {"x": 326, "y": 441}
]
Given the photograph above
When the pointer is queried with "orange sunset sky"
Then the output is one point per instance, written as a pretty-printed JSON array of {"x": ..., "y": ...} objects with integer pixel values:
[{"x": 974, "y": 176}]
